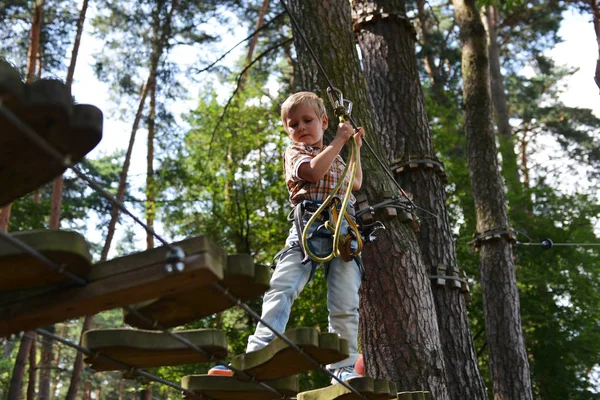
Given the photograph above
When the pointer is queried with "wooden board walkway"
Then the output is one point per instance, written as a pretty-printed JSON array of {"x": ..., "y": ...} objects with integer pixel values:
[
  {"x": 228, "y": 388},
  {"x": 147, "y": 349},
  {"x": 373, "y": 389},
  {"x": 278, "y": 359},
  {"x": 115, "y": 283},
  {"x": 244, "y": 279},
  {"x": 47, "y": 107}
]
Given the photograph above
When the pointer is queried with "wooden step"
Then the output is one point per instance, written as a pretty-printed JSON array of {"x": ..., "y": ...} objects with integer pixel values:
[
  {"x": 244, "y": 279},
  {"x": 116, "y": 283},
  {"x": 278, "y": 359},
  {"x": 20, "y": 270},
  {"x": 228, "y": 388},
  {"x": 47, "y": 107},
  {"x": 373, "y": 389},
  {"x": 147, "y": 349}
]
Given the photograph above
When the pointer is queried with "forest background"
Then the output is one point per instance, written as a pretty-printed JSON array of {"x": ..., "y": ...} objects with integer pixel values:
[{"x": 215, "y": 167}]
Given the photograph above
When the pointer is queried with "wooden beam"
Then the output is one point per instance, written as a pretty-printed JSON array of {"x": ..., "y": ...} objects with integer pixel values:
[{"x": 116, "y": 283}]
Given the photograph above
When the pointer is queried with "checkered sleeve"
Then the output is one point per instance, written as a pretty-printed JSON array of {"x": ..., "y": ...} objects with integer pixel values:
[{"x": 295, "y": 155}]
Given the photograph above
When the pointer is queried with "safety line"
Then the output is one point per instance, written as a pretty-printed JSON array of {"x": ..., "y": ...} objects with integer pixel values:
[
  {"x": 117, "y": 363},
  {"x": 66, "y": 162},
  {"x": 330, "y": 83}
]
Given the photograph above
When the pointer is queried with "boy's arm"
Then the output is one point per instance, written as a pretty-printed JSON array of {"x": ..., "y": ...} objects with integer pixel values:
[
  {"x": 356, "y": 185},
  {"x": 318, "y": 166}
]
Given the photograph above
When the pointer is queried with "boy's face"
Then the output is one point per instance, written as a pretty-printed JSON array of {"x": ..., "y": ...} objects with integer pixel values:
[{"x": 304, "y": 126}]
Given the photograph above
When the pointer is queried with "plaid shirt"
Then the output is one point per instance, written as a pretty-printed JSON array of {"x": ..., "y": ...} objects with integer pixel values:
[{"x": 298, "y": 153}]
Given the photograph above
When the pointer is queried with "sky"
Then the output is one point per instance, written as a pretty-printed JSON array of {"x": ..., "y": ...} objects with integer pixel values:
[{"x": 578, "y": 50}]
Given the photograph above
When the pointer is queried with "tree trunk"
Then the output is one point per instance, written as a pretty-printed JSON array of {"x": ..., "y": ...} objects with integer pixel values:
[
  {"x": 32, "y": 368},
  {"x": 596, "y": 20},
  {"x": 5, "y": 217},
  {"x": 33, "y": 54},
  {"x": 506, "y": 139},
  {"x": 399, "y": 333},
  {"x": 16, "y": 381},
  {"x": 46, "y": 366},
  {"x": 76, "y": 43},
  {"x": 146, "y": 393},
  {"x": 157, "y": 51},
  {"x": 78, "y": 364},
  {"x": 508, "y": 359},
  {"x": 388, "y": 44},
  {"x": 150, "y": 183}
]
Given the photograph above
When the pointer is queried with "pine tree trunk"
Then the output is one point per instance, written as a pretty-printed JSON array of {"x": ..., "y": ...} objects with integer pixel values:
[
  {"x": 32, "y": 368},
  {"x": 506, "y": 139},
  {"x": 5, "y": 217},
  {"x": 509, "y": 365},
  {"x": 596, "y": 21},
  {"x": 146, "y": 393},
  {"x": 399, "y": 333},
  {"x": 150, "y": 184},
  {"x": 45, "y": 367},
  {"x": 76, "y": 43},
  {"x": 33, "y": 54},
  {"x": 16, "y": 381},
  {"x": 157, "y": 50},
  {"x": 78, "y": 364},
  {"x": 389, "y": 45}
]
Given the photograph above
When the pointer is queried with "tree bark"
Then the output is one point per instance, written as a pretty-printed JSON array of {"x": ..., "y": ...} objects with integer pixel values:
[
  {"x": 509, "y": 365},
  {"x": 33, "y": 54},
  {"x": 16, "y": 381},
  {"x": 78, "y": 364},
  {"x": 596, "y": 21},
  {"x": 32, "y": 368},
  {"x": 399, "y": 333},
  {"x": 150, "y": 183},
  {"x": 506, "y": 139},
  {"x": 46, "y": 366},
  {"x": 390, "y": 64}
]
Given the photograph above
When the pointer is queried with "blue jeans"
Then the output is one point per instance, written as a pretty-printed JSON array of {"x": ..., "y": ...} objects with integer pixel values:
[{"x": 288, "y": 281}]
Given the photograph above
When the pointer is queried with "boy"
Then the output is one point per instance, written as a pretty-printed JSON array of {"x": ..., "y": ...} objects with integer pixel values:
[{"x": 311, "y": 172}]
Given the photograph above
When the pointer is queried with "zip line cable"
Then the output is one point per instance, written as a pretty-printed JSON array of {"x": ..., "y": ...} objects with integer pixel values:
[{"x": 333, "y": 88}]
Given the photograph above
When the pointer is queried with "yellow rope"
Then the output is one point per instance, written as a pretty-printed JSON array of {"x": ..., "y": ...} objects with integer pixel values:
[{"x": 337, "y": 239}]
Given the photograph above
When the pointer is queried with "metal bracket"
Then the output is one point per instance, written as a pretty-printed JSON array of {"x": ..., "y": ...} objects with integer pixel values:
[{"x": 175, "y": 257}]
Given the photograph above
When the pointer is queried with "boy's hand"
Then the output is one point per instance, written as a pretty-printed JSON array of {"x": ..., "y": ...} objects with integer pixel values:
[
  {"x": 359, "y": 135},
  {"x": 344, "y": 131}
]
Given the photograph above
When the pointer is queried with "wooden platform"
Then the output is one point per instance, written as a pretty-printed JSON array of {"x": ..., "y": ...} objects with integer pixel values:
[
  {"x": 146, "y": 349},
  {"x": 373, "y": 389},
  {"x": 228, "y": 388},
  {"x": 278, "y": 359},
  {"x": 47, "y": 107},
  {"x": 115, "y": 283},
  {"x": 20, "y": 270},
  {"x": 244, "y": 279}
]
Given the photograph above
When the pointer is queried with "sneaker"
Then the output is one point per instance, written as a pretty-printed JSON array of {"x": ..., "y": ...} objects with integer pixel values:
[
  {"x": 220, "y": 370},
  {"x": 344, "y": 374}
]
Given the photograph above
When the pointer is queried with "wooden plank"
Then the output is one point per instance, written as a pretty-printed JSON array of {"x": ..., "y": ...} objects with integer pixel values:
[
  {"x": 116, "y": 283},
  {"x": 20, "y": 270},
  {"x": 373, "y": 389},
  {"x": 244, "y": 279},
  {"x": 278, "y": 359},
  {"x": 46, "y": 106},
  {"x": 147, "y": 349},
  {"x": 228, "y": 388}
]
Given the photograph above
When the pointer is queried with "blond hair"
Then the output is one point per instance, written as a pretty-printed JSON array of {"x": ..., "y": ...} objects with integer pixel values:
[{"x": 308, "y": 98}]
